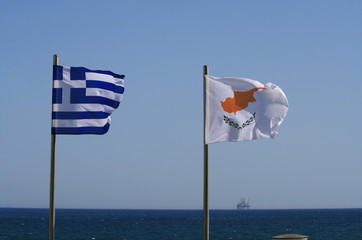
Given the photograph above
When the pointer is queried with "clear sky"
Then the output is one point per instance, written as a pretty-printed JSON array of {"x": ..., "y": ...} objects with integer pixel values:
[{"x": 152, "y": 156}]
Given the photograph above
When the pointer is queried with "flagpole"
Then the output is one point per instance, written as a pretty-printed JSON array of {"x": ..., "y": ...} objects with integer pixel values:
[
  {"x": 52, "y": 172},
  {"x": 206, "y": 162}
]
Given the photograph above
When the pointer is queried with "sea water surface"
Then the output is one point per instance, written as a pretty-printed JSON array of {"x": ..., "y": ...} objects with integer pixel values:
[{"x": 318, "y": 224}]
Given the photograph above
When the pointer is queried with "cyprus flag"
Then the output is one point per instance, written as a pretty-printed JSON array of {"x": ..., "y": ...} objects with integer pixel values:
[{"x": 239, "y": 109}]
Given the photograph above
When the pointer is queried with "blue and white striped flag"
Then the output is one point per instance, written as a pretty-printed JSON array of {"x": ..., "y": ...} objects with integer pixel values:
[{"x": 84, "y": 99}]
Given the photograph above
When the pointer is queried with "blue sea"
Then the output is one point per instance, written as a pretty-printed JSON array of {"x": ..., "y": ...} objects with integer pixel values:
[{"x": 318, "y": 224}]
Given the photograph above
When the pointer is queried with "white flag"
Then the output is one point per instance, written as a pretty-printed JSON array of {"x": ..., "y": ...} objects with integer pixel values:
[{"x": 239, "y": 109}]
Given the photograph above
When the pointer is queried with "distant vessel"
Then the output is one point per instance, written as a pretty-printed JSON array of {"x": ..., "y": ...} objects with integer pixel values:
[{"x": 243, "y": 205}]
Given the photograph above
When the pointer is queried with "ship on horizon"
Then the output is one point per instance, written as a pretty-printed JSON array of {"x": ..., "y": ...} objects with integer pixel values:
[{"x": 243, "y": 204}]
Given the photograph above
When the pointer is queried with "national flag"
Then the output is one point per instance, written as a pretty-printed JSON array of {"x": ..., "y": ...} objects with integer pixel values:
[
  {"x": 240, "y": 109},
  {"x": 83, "y": 99}
]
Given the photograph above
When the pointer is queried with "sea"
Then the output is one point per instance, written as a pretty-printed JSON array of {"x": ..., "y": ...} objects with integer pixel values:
[{"x": 96, "y": 224}]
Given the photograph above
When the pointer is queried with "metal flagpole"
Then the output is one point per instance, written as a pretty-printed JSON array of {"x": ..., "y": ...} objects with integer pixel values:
[
  {"x": 206, "y": 162},
  {"x": 52, "y": 172}
]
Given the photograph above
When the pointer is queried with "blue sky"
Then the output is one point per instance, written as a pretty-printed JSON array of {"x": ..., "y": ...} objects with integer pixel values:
[{"x": 152, "y": 157}]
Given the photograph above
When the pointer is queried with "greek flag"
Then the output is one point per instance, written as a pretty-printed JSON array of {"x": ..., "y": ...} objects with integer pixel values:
[{"x": 84, "y": 99}]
